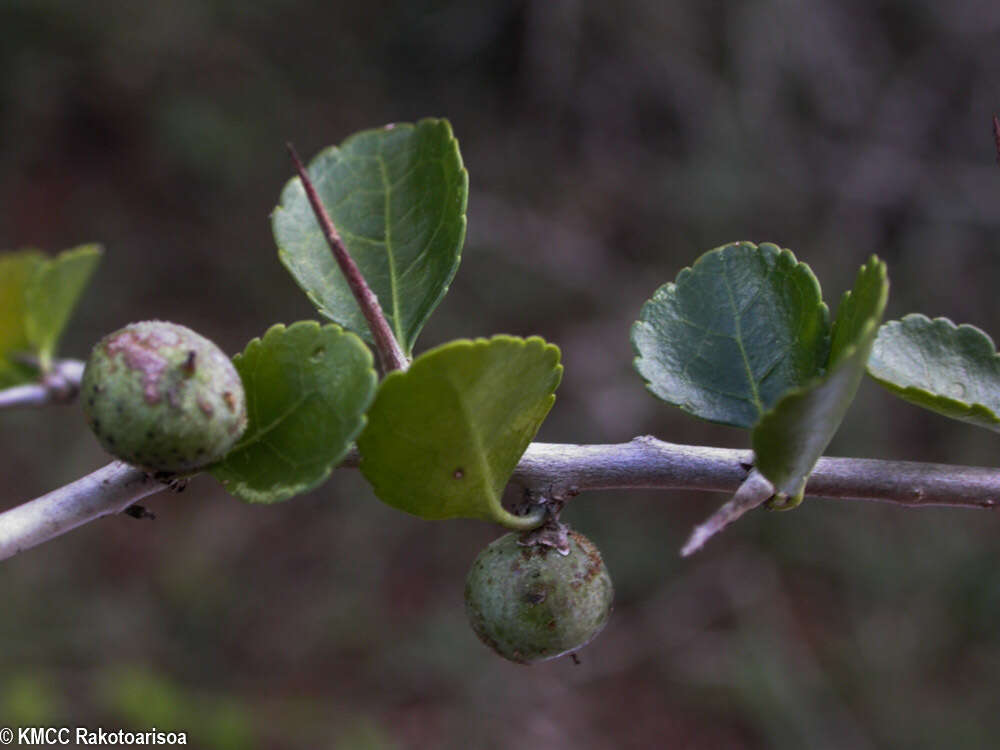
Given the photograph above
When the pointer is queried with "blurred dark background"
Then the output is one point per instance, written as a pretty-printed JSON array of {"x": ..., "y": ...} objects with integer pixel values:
[{"x": 608, "y": 145}]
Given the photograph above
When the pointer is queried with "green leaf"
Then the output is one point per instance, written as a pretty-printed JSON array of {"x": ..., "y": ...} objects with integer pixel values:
[
  {"x": 733, "y": 334},
  {"x": 397, "y": 196},
  {"x": 51, "y": 295},
  {"x": 444, "y": 437},
  {"x": 307, "y": 391},
  {"x": 791, "y": 437},
  {"x": 953, "y": 370},
  {"x": 16, "y": 271}
]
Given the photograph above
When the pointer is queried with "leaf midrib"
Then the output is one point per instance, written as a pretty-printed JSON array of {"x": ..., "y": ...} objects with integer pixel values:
[
  {"x": 477, "y": 438},
  {"x": 739, "y": 337},
  {"x": 389, "y": 251}
]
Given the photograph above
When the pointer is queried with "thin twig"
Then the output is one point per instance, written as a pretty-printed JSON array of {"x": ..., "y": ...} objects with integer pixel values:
[
  {"x": 110, "y": 489},
  {"x": 754, "y": 492},
  {"x": 389, "y": 351},
  {"x": 646, "y": 462},
  {"x": 996, "y": 136},
  {"x": 564, "y": 470},
  {"x": 59, "y": 386}
]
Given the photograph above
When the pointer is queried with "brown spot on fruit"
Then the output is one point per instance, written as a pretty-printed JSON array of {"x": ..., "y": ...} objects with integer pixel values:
[
  {"x": 206, "y": 406},
  {"x": 140, "y": 350},
  {"x": 535, "y": 596}
]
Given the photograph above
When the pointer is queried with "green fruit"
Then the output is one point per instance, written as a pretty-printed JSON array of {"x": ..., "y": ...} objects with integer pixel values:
[
  {"x": 531, "y": 603},
  {"x": 161, "y": 397}
]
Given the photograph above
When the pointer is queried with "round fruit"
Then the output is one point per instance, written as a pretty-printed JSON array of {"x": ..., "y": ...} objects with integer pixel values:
[
  {"x": 162, "y": 397},
  {"x": 531, "y": 603}
]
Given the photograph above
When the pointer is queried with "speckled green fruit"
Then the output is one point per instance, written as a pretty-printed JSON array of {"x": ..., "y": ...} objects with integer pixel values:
[
  {"x": 530, "y": 603},
  {"x": 161, "y": 397}
]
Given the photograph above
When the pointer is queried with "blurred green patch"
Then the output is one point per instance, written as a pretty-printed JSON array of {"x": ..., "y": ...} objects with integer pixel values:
[
  {"x": 140, "y": 699},
  {"x": 28, "y": 699},
  {"x": 213, "y": 142},
  {"x": 365, "y": 734}
]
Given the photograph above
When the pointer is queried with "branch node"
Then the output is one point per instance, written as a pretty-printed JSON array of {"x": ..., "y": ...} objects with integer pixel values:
[{"x": 553, "y": 533}]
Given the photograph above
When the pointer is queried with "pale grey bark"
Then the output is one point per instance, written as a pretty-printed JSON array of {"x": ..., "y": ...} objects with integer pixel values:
[
  {"x": 59, "y": 386},
  {"x": 562, "y": 470},
  {"x": 646, "y": 462},
  {"x": 110, "y": 489}
]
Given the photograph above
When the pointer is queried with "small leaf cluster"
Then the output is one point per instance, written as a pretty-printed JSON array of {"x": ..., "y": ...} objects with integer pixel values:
[
  {"x": 37, "y": 297},
  {"x": 743, "y": 338},
  {"x": 439, "y": 440}
]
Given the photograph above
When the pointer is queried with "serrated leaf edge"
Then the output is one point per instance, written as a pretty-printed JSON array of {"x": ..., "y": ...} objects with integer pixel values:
[
  {"x": 402, "y": 336},
  {"x": 254, "y": 345},
  {"x": 499, "y": 514},
  {"x": 849, "y": 351},
  {"x": 974, "y": 408},
  {"x": 670, "y": 287}
]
